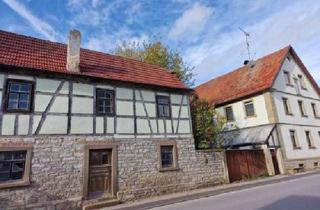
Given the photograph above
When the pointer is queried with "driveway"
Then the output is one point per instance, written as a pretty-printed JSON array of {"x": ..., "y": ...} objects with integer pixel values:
[{"x": 296, "y": 194}]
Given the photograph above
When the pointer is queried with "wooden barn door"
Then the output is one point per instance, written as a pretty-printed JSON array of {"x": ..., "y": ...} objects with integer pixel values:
[
  {"x": 244, "y": 164},
  {"x": 100, "y": 172}
]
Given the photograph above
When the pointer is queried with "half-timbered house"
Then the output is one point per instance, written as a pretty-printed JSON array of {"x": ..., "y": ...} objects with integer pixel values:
[{"x": 78, "y": 125}]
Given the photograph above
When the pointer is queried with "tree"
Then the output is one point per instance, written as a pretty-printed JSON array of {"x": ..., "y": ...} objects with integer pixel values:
[
  {"x": 156, "y": 53},
  {"x": 208, "y": 125}
]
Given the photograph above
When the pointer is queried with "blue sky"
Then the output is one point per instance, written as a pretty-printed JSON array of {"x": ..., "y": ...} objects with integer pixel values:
[{"x": 205, "y": 32}]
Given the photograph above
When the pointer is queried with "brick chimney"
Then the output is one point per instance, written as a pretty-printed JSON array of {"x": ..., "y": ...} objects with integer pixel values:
[{"x": 73, "y": 53}]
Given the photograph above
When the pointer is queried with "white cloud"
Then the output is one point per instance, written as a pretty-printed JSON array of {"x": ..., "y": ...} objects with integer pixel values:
[
  {"x": 191, "y": 22},
  {"x": 39, "y": 25},
  {"x": 298, "y": 24}
]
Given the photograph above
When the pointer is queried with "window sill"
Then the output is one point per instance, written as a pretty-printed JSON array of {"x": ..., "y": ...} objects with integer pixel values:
[
  {"x": 289, "y": 114},
  {"x": 303, "y": 88},
  {"x": 313, "y": 147},
  {"x": 296, "y": 148},
  {"x": 252, "y": 116},
  {"x": 168, "y": 169},
  {"x": 290, "y": 85},
  {"x": 18, "y": 183}
]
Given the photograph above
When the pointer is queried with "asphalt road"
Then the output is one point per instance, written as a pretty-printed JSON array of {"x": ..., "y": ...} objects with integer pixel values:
[{"x": 298, "y": 194}]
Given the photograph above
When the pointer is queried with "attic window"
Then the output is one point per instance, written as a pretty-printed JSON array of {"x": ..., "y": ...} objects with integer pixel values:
[
  {"x": 287, "y": 77},
  {"x": 229, "y": 113},
  {"x": 288, "y": 58},
  {"x": 302, "y": 82}
]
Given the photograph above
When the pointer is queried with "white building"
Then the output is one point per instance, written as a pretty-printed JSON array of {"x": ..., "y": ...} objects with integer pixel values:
[{"x": 276, "y": 103}]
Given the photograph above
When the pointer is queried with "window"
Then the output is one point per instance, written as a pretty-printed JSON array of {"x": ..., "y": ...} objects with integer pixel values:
[
  {"x": 163, "y": 106},
  {"x": 14, "y": 166},
  {"x": 286, "y": 106},
  {"x": 302, "y": 82},
  {"x": 249, "y": 108},
  {"x": 309, "y": 139},
  {"x": 229, "y": 113},
  {"x": 302, "y": 109},
  {"x": 287, "y": 77},
  {"x": 167, "y": 155},
  {"x": 294, "y": 139},
  {"x": 19, "y": 96},
  {"x": 315, "y": 110},
  {"x": 105, "y": 102}
]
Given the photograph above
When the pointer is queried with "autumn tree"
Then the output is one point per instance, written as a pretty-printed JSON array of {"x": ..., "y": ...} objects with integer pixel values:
[{"x": 154, "y": 52}]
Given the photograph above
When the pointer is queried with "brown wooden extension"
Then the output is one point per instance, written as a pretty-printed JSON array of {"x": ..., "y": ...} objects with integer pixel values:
[{"x": 245, "y": 164}]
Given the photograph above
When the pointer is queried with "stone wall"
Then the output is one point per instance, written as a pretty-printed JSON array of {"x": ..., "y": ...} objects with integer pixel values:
[
  {"x": 291, "y": 166},
  {"x": 57, "y": 171}
]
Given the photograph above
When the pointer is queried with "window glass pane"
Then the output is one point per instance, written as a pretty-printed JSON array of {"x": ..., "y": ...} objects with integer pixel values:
[
  {"x": 5, "y": 166},
  {"x": 166, "y": 156},
  {"x": 24, "y": 88},
  {"x": 23, "y": 105},
  {"x": 229, "y": 113},
  {"x": 16, "y": 175},
  {"x": 14, "y": 87},
  {"x": 23, "y": 97},
  {"x": 18, "y": 155},
  {"x": 13, "y": 96},
  {"x": 17, "y": 167},
  {"x": 249, "y": 109},
  {"x": 4, "y": 176}
]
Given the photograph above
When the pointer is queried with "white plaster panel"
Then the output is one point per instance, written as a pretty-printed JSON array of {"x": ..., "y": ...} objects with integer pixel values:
[
  {"x": 23, "y": 125},
  {"x": 168, "y": 126},
  {"x": 139, "y": 109},
  {"x": 124, "y": 107},
  {"x": 175, "y": 124},
  {"x": 184, "y": 112},
  {"x": 41, "y": 102},
  {"x": 305, "y": 151},
  {"x": 60, "y": 105},
  {"x": 36, "y": 120},
  {"x": 65, "y": 88},
  {"x": 8, "y": 124},
  {"x": 124, "y": 93},
  {"x": 125, "y": 125},
  {"x": 47, "y": 85},
  {"x": 154, "y": 125},
  {"x": 147, "y": 95},
  {"x": 151, "y": 109},
  {"x": 184, "y": 126},
  {"x": 161, "y": 126},
  {"x": 15, "y": 76},
  {"x": 143, "y": 126},
  {"x": 82, "y": 105},
  {"x": 81, "y": 125},
  {"x": 54, "y": 125},
  {"x": 163, "y": 93},
  {"x": 1, "y": 80},
  {"x": 109, "y": 87},
  {"x": 110, "y": 125},
  {"x": 175, "y": 111},
  {"x": 82, "y": 89},
  {"x": 176, "y": 99},
  {"x": 0, "y": 97},
  {"x": 99, "y": 125}
]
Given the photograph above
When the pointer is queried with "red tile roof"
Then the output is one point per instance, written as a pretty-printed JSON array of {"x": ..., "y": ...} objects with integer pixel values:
[
  {"x": 246, "y": 81},
  {"x": 36, "y": 54}
]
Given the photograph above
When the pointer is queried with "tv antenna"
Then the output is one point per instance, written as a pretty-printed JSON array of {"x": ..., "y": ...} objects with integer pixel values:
[{"x": 247, "y": 41}]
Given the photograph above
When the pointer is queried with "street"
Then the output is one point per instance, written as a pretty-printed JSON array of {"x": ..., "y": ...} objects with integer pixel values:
[{"x": 297, "y": 194}]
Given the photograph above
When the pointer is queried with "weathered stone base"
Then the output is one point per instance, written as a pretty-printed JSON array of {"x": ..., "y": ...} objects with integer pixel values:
[
  {"x": 298, "y": 165},
  {"x": 57, "y": 171}
]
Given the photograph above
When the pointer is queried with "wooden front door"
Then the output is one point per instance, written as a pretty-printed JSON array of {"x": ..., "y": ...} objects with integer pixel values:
[
  {"x": 275, "y": 161},
  {"x": 100, "y": 172}
]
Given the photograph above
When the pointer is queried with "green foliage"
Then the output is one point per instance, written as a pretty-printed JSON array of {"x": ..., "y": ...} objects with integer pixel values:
[
  {"x": 207, "y": 125},
  {"x": 156, "y": 53}
]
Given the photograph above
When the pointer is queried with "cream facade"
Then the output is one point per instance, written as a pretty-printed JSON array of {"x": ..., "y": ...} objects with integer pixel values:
[{"x": 280, "y": 106}]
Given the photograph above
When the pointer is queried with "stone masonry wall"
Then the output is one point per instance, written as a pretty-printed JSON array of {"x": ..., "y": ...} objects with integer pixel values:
[
  {"x": 57, "y": 171},
  {"x": 309, "y": 164}
]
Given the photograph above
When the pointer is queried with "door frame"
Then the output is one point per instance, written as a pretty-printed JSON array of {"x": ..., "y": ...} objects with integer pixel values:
[{"x": 114, "y": 165}]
